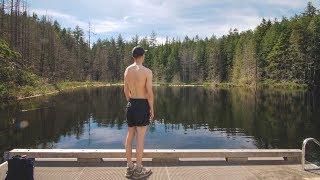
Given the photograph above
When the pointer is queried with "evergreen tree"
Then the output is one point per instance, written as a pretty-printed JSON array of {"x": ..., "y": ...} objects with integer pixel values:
[
  {"x": 214, "y": 59},
  {"x": 279, "y": 66},
  {"x": 313, "y": 50}
]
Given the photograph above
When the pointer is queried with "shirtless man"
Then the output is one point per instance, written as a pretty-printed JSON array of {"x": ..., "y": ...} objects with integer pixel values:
[{"x": 138, "y": 91}]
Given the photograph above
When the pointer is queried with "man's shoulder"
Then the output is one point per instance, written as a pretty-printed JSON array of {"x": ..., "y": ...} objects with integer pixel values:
[
  {"x": 148, "y": 70},
  {"x": 129, "y": 67}
]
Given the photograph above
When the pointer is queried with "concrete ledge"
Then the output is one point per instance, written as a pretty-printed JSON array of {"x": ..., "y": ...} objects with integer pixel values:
[
  {"x": 237, "y": 160},
  {"x": 292, "y": 159},
  {"x": 160, "y": 154},
  {"x": 3, "y": 164},
  {"x": 165, "y": 160},
  {"x": 90, "y": 160}
]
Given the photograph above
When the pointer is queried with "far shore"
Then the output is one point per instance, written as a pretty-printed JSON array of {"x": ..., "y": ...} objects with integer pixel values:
[
  {"x": 54, "y": 89},
  {"x": 32, "y": 92}
]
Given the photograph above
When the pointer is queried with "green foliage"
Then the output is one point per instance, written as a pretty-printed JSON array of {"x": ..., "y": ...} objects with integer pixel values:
[
  {"x": 27, "y": 79},
  {"x": 6, "y": 53},
  {"x": 5, "y": 91},
  {"x": 11, "y": 74},
  {"x": 284, "y": 86},
  {"x": 310, "y": 11}
]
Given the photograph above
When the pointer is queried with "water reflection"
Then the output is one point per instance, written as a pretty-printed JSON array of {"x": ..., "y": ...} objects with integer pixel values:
[{"x": 187, "y": 117}]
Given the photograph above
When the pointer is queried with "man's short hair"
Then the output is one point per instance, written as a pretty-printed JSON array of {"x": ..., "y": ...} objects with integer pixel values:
[{"x": 138, "y": 51}]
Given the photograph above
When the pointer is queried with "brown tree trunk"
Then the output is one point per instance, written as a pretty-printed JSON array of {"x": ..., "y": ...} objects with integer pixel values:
[{"x": 2, "y": 18}]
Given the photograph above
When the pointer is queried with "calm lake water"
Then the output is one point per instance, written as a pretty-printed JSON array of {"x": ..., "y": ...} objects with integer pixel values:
[{"x": 185, "y": 117}]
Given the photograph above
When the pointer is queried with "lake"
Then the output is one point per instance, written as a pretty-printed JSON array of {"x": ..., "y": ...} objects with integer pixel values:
[{"x": 185, "y": 117}]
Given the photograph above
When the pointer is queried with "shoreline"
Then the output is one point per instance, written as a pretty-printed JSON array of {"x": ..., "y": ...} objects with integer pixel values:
[
  {"x": 262, "y": 85},
  {"x": 32, "y": 92},
  {"x": 54, "y": 89}
]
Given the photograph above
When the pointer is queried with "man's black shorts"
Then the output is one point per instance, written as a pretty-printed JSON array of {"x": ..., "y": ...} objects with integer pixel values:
[{"x": 138, "y": 112}]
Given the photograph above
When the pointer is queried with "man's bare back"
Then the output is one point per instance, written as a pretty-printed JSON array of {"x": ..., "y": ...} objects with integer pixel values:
[
  {"x": 138, "y": 84},
  {"x": 137, "y": 77}
]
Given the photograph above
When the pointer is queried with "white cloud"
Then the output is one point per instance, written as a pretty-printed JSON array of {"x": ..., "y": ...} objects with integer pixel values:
[
  {"x": 126, "y": 18},
  {"x": 288, "y": 3},
  {"x": 176, "y": 18},
  {"x": 99, "y": 25},
  {"x": 243, "y": 19},
  {"x": 58, "y": 15},
  {"x": 161, "y": 40},
  {"x": 104, "y": 26}
]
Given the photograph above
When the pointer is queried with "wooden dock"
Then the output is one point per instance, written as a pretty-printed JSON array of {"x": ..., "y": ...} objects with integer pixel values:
[{"x": 168, "y": 164}]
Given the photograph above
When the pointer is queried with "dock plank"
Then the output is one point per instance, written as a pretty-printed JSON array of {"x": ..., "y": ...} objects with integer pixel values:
[{"x": 167, "y": 171}]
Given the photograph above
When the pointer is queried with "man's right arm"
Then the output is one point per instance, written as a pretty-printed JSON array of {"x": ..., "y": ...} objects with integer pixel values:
[
  {"x": 126, "y": 86},
  {"x": 150, "y": 93}
]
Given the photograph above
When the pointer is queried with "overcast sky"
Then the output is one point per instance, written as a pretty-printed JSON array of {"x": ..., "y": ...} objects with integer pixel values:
[{"x": 172, "y": 18}]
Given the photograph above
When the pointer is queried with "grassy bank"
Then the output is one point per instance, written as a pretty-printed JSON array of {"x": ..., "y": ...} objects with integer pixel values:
[
  {"x": 206, "y": 84},
  {"x": 266, "y": 85},
  {"x": 24, "y": 92},
  {"x": 263, "y": 85}
]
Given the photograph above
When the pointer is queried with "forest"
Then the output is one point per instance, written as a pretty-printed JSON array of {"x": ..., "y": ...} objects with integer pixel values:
[{"x": 36, "y": 50}]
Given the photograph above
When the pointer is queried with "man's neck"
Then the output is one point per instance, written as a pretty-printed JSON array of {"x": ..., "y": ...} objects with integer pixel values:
[{"x": 137, "y": 63}]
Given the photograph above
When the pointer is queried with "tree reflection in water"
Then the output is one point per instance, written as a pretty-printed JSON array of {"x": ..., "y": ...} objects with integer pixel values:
[{"x": 186, "y": 117}]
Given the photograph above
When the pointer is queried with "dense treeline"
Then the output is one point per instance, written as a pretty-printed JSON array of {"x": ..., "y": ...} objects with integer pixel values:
[
  {"x": 46, "y": 49},
  {"x": 276, "y": 51}
]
